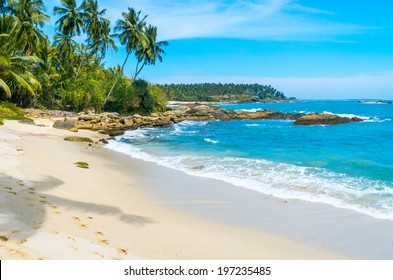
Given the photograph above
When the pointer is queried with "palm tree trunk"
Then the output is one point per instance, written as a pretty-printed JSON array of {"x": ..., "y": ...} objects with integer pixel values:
[
  {"x": 117, "y": 79},
  {"x": 137, "y": 71},
  {"x": 79, "y": 67}
]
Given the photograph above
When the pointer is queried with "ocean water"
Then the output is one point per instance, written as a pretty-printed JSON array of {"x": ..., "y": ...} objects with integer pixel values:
[{"x": 348, "y": 166}]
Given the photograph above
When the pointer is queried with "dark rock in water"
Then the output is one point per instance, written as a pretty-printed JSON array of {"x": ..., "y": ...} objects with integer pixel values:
[
  {"x": 356, "y": 119},
  {"x": 318, "y": 119},
  {"x": 104, "y": 141},
  {"x": 115, "y": 132},
  {"x": 78, "y": 139}
]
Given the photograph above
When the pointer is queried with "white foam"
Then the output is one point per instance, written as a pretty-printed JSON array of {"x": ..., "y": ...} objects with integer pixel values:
[
  {"x": 364, "y": 118},
  {"x": 250, "y": 110},
  {"x": 285, "y": 181},
  {"x": 208, "y": 140}
]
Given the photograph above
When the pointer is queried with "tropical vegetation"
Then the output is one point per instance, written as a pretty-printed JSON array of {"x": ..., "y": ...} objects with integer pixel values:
[
  {"x": 220, "y": 92},
  {"x": 67, "y": 71}
]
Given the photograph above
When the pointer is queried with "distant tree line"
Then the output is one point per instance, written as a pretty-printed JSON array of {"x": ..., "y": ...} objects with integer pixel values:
[
  {"x": 64, "y": 74},
  {"x": 219, "y": 92}
]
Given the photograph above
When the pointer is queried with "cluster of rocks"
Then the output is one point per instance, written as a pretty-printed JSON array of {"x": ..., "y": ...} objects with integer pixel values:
[{"x": 115, "y": 124}]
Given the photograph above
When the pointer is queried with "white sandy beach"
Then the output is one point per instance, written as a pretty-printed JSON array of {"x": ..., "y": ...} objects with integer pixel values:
[{"x": 51, "y": 209}]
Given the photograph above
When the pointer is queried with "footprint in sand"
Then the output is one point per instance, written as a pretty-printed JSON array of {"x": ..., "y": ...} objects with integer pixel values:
[
  {"x": 32, "y": 192},
  {"x": 122, "y": 251},
  {"x": 99, "y": 254},
  {"x": 76, "y": 219},
  {"x": 20, "y": 183},
  {"x": 31, "y": 189},
  {"x": 83, "y": 225},
  {"x": 104, "y": 241},
  {"x": 71, "y": 238},
  {"x": 4, "y": 238},
  {"x": 73, "y": 247},
  {"x": 99, "y": 233}
]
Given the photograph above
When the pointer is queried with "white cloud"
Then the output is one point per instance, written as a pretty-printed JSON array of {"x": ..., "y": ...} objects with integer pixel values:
[{"x": 266, "y": 19}]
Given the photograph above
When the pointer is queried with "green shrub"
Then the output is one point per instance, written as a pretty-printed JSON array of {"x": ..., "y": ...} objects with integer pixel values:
[{"x": 10, "y": 111}]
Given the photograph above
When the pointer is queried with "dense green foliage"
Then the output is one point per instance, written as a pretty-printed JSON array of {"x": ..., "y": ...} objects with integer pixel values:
[
  {"x": 219, "y": 92},
  {"x": 10, "y": 111},
  {"x": 68, "y": 75}
]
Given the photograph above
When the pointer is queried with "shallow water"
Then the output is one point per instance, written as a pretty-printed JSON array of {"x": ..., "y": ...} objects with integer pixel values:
[{"x": 348, "y": 166}]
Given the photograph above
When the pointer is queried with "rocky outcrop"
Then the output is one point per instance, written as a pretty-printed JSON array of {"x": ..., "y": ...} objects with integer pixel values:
[
  {"x": 324, "y": 119},
  {"x": 115, "y": 124}
]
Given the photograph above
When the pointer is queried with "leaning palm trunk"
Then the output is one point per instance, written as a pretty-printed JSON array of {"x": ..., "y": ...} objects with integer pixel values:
[
  {"x": 137, "y": 71},
  {"x": 117, "y": 79}
]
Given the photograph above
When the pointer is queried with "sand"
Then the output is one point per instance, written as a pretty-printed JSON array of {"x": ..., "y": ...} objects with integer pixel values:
[{"x": 51, "y": 209}]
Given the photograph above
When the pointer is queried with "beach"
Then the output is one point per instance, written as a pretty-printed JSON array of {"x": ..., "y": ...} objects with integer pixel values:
[{"x": 51, "y": 209}]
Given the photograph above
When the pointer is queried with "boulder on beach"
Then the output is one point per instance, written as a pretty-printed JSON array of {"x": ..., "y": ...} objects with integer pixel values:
[
  {"x": 78, "y": 139},
  {"x": 65, "y": 124}
]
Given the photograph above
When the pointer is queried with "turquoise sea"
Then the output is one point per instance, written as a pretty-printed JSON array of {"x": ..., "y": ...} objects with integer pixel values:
[{"x": 348, "y": 166}]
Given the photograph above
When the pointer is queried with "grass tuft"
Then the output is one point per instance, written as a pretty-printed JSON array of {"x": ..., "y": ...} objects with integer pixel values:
[{"x": 82, "y": 164}]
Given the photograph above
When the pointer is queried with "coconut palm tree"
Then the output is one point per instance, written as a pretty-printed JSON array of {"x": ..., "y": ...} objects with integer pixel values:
[
  {"x": 32, "y": 16},
  {"x": 94, "y": 24},
  {"x": 151, "y": 53},
  {"x": 131, "y": 35},
  {"x": 70, "y": 22},
  {"x": 65, "y": 44},
  {"x": 14, "y": 69},
  {"x": 103, "y": 42}
]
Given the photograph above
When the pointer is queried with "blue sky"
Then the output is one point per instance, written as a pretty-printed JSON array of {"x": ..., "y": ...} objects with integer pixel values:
[{"x": 308, "y": 49}]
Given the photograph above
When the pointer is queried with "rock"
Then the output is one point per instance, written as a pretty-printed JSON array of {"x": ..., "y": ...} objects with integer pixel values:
[
  {"x": 115, "y": 132},
  {"x": 84, "y": 125},
  {"x": 64, "y": 124},
  {"x": 78, "y": 139},
  {"x": 356, "y": 119},
  {"x": 85, "y": 118},
  {"x": 317, "y": 119},
  {"x": 73, "y": 129},
  {"x": 104, "y": 141}
]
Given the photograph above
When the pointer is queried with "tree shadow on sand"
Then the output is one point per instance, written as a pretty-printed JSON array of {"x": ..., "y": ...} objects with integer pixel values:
[{"x": 24, "y": 207}]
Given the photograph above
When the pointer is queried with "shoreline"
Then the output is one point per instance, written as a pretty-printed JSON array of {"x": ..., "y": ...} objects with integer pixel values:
[{"x": 53, "y": 210}]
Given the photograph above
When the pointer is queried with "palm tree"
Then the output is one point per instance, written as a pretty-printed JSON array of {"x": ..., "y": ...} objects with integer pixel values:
[
  {"x": 31, "y": 14},
  {"x": 69, "y": 24},
  {"x": 94, "y": 23},
  {"x": 71, "y": 20},
  {"x": 131, "y": 28},
  {"x": 14, "y": 70},
  {"x": 93, "y": 18},
  {"x": 103, "y": 42},
  {"x": 149, "y": 54},
  {"x": 65, "y": 44}
]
